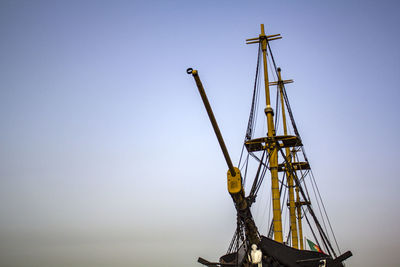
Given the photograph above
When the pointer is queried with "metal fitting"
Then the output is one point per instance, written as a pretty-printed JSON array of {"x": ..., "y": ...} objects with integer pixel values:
[{"x": 269, "y": 110}]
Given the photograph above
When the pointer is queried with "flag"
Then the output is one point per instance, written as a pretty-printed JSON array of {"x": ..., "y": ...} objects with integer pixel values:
[{"x": 314, "y": 247}]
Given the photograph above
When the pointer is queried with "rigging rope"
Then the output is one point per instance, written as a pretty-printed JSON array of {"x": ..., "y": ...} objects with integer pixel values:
[
  {"x": 285, "y": 96},
  {"x": 320, "y": 230},
  {"x": 277, "y": 102},
  {"x": 250, "y": 124},
  {"x": 245, "y": 173},
  {"x": 253, "y": 192},
  {"x": 312, "y": 231},
  {"x": 319, "y": 208},
  {"x": 304, "y": 155},
  {"x": 327, "y": 217}
]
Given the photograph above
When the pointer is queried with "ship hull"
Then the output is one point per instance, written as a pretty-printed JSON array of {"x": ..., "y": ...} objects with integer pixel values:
[{"x": 277, "y": 254}]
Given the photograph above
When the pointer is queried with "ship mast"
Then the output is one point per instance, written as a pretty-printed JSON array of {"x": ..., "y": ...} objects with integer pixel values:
[
  {"x": 272, "y": 150},
  {"x": 272, "y": 147},
  {"x": 289, "y": 175}
]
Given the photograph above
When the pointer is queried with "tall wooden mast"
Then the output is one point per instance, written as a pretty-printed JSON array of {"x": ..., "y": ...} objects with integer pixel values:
[
  {"x": 271, "y": 148},
  {"x": 292, "y": 212},
  {"x": 272, "y": 151}
]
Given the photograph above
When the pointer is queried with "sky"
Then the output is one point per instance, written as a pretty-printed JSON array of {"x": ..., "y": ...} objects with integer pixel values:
[{"x": 107, "y": 156}]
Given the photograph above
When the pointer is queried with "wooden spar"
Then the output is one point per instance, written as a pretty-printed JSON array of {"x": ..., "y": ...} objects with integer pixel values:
[
  {"x": 212, "y": 120},
  {"x": 235, "y": 186}
]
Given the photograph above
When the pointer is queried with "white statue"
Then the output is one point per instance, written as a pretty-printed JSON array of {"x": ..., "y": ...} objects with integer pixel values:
[{"x": 255, "y": 256}]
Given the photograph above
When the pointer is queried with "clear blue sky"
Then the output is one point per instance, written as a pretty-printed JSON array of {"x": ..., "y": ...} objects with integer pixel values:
[{"x": 106, "y": 152}]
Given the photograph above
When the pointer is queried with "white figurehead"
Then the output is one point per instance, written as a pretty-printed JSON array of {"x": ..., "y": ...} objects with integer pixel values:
[{"x": 255, "y": 256}]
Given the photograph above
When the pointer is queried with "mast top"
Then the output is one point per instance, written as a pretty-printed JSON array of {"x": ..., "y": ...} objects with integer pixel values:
[{"x": 263, "y": 36}]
